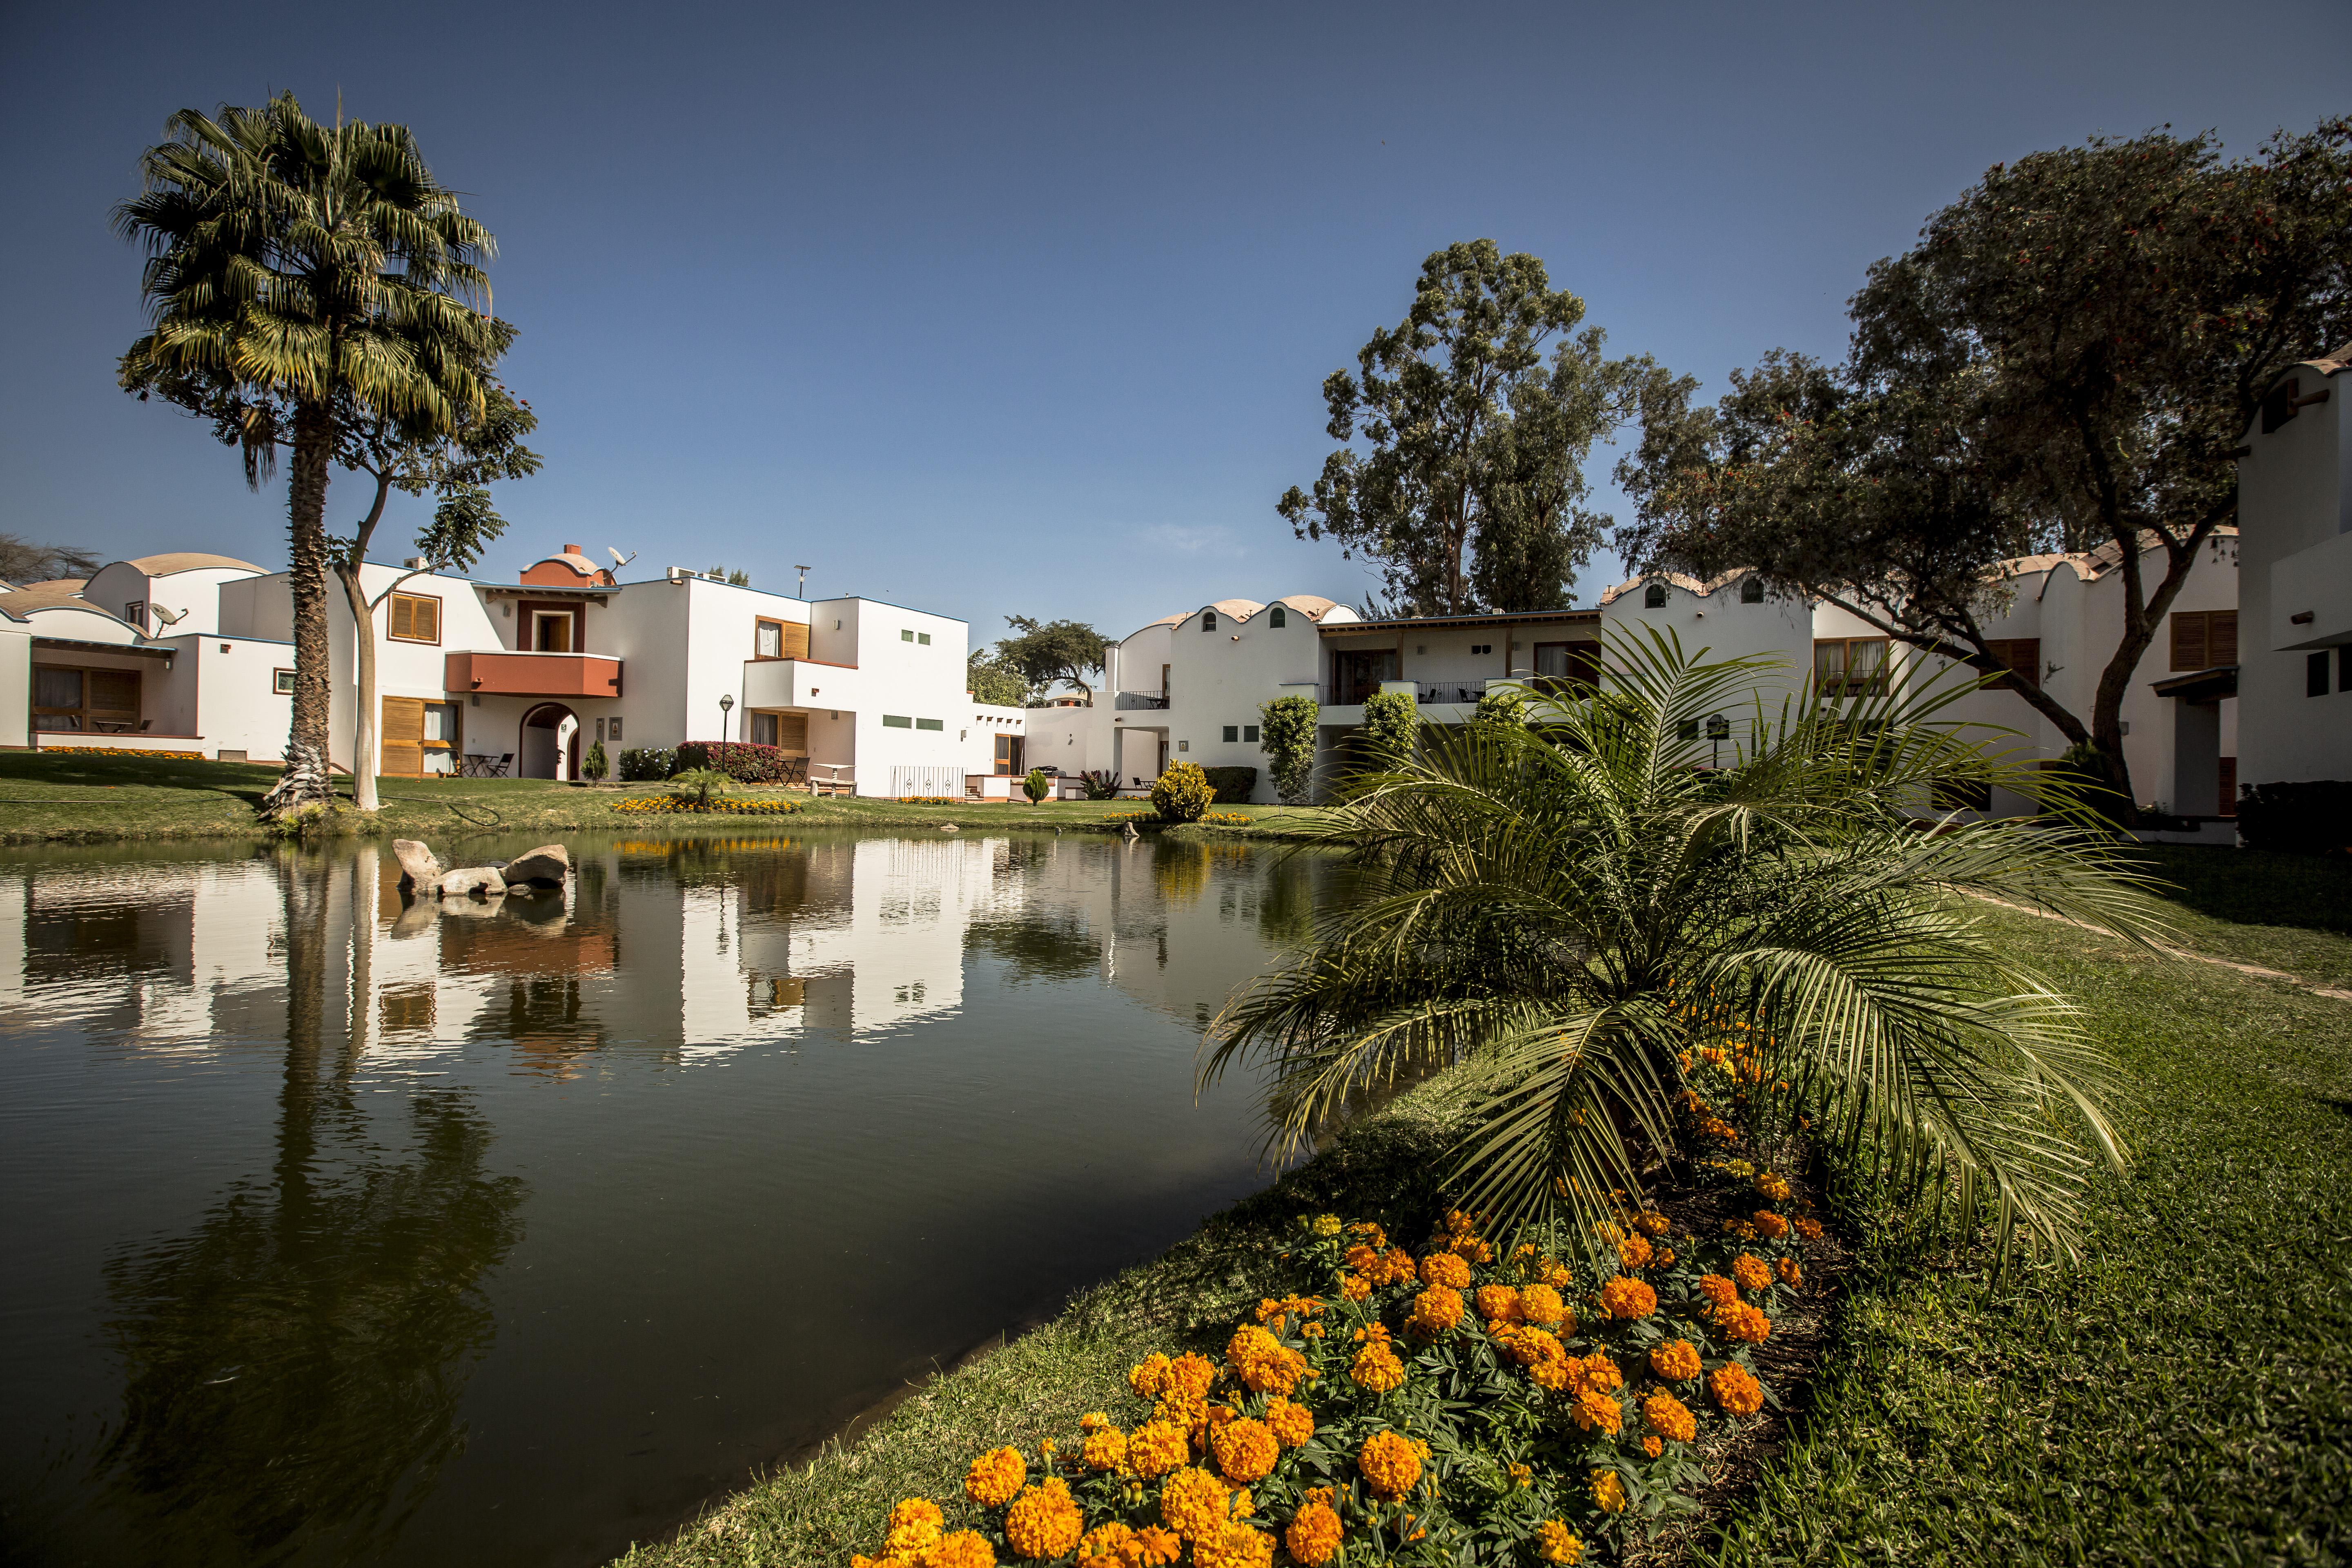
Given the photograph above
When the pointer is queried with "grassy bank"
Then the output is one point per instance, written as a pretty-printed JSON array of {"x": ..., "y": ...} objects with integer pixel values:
[
  {"x": 2183, "y": 1397},
  {"x": 64, "y": 798}
]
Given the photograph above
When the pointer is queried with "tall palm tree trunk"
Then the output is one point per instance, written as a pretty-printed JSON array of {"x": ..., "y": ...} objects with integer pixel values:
[
  {"x": 308, "y": 776},
  {"x": 363, "y": 723}
]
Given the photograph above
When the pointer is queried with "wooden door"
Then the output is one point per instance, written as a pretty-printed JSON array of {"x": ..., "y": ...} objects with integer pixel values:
[{"x": 403, "y": 737}]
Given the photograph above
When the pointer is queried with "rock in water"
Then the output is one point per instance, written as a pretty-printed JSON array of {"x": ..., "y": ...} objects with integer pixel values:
[
  {"x": 950, "y": 828},
  {"x": 548, "y": 866},
  {"x": 473, "y": 880},
  {"x": 419, "y": 868}
]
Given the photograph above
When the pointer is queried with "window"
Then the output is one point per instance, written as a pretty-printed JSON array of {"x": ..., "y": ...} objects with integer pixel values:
[
  {"x": 931, "y": 723},
  {"x": 763, "y": 729},
  {"x": 1008, "y": 756},
  {"x": 1962, "y": 795},
  {"x": 1653, "y": 597},
  {"x": 896, "y": 721},
  {"x": 2344, "y": 667},
  {"x": 924, "y": 638},
  {"x": 1277, "y": 620},
  {"x": 1847, "y": 666},
  {"x": 1249, "y": 733},
  {"x": 415, "y": 618},
  {"x": 2204, "y": 639},
  {"x": 551, "y": 631},
  {"x": 2022, "y": 656},
  {"x": 2315, "y": 674},
  {"x": 1482, "y": 647},
  {"x": 281, "y": 681},
  {"x": 1686, "y": 731},
  {"x": 906, "y": 635},
  {"x": 768, "y": 640},
  {"x": 136, "y": 612},
  {"x": 1232, "y": 732},
  {"x": 1567, "y": 661},
  {"x": 1208, "y": 620},
  {"x": 1751, "y": 589},
  {"x": 103, "y": 699}
]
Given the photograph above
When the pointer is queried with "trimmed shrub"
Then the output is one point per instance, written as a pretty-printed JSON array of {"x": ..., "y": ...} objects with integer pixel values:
[
  {"x": 1502, "y": 706},
  {"x": 1036, "y": 786},
  {"x": 1287, "y": 725},
  {"x": 595, "y": 763},
  {"x": 2312, "y": 816},
  {"x": 1183, "y": 793},
  {"x": 1233, "y": 785},
  {"x": 642, "y": 764},
  {"x": 1392, "y": 723},
  {"x": 739, "y": 760}
]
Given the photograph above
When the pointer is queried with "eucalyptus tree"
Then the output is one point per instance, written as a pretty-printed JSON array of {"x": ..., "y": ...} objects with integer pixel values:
[
  {"x": 1576, "y": 901},
  {"x": 1048, "y": 652},
  {"x": 2067, "y": 360},
  {"x": 294, "y": 268},
  {"x": 1466, "y": 430}
]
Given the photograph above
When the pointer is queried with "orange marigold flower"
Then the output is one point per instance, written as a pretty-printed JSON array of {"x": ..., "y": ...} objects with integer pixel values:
[
  {"x": 1634, "y": 1252},
  {"x": 1192, "y": 1376},
  {"x": 1194, "y": 1503},
  {"x": 1768, "y": 1224},
  {"x": 1652, "y": 1447},
  {"x": 1676, "y": 1361},
  {"x": 1291, "y": 1424},
  {"x": 1105, "y": 1546},
  {"x": 1541, "y": 1305},
  {"x": 1377, "y": 1368},
  {"x": 1043, "y": 1521},
  {"x": 1791, "y": 1274},
  {"x": 1498, "y": 1303},
  {"x": 1104, "y": 1449},
  {"x": 1810, "y": 1228},
  {"x": 1626, "y": 1297},
  {"x": 1597, "y": 1372},
  {"x": 1737, "y": 1392},
  {"x": 1363, "y": 1259},
  {"x": 1092, "y": 1421},
  {"x": 1650, "y": 1222},
  {"x": 1146, "y": 1378},
  {"x": 1263, "y": 1363},
  {"x": 1354, "y": 1287},
  {"x": 1445, "y": 1271},
  {"x": 1717, "y": 1290},
  {"x": 1235, "y": 1545},
  {"x": 1772, "y": 1186},
  {"x": 1389, "y": 1463},
  {"x": 1609, "y": 1491},
  {"x": 1157, "y": 1447},
  {"x": 1666, "y": 1257},
  {"x": 1521, "y": 1476},
  {"x": 1598, "y": 1413},
  {"x": 1744, "y": 1323},
  {"x": 964, "y": 1549},
  {"x": 915, "y": 1526},
  {"x": 1245, "y": 1449},
  {"x": 1154, "y": 1547},
  {"x": 1555, "y": 1542},
  {"x": 1314, "y": 1534},
  {"x": 1394, "y": 1267},
  {"x": 1669, "y": 1417},
  {"x": 1437, "y": 1312},
  {"x": 1752, "y": 1271},
  {"x": 994, "y": 1477}
]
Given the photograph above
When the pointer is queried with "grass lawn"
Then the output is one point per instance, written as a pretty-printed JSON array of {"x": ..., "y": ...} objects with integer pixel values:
[
  {"x": 2183, "y": 1397},
  {"x": 50, "y": 797}
]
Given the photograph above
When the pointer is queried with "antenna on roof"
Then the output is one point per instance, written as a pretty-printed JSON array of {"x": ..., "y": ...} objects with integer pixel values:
[
  {"x": 802, "y": 594},
  {"x": 619, "y": 560}
]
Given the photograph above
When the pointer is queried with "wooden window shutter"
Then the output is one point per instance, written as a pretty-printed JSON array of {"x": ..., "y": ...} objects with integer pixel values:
[
  {"x": 2188, "y": 639},
  {"x": 403, "y": 617},
  {"x": 426, "y": 617},
  {"x": 114, "y": 693},
  {"x": 2221, "y": 637},
  {"x": 796, "y": 644},
  {"x": 792, "y": 731},
  {"x": 403, "y": 736}
]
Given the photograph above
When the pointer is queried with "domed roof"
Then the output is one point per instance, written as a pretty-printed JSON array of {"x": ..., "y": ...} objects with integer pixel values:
[{"x": 187, "y": 561}]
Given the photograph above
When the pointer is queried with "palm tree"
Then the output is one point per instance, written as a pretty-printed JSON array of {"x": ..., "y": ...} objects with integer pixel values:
[
  {"x": 298, "y": 275},
  {"x": 1576, "y": 902}
]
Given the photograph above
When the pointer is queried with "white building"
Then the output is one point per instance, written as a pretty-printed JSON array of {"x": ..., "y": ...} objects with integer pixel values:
[
  {"x": 194, "y": 653},
  {"x": 2294, "y": 663}
]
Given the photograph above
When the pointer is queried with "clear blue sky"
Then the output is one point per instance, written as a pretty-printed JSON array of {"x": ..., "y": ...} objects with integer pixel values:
[{"x": 1023, "y": 308}]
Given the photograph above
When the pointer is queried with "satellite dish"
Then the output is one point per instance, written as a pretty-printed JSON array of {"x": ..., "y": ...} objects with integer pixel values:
[
  {"x": 619, "y": 560},
  {"x": 168, "y": 617}
]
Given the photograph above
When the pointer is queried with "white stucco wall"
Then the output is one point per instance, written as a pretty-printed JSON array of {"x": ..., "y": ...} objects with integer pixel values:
[{"x": 2295, "y": 513}]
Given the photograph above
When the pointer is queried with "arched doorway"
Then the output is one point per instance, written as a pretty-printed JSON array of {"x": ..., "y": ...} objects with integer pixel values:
[{"x": 550, "y": 745}]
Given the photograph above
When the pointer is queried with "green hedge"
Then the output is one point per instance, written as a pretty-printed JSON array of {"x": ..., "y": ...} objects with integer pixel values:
[
  {"x": 1233, "y": 785},
  {"x": 2310, "y": 817}
]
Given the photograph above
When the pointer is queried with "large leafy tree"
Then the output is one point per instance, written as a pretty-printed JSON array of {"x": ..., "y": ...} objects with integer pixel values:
[
  {"x": 1466, "y": 430},
  {"x": 993, "y": 680},
  {"x": 295, "y": 270},
  {"x": 417, "y": 457},
  {"x": 2067, "y": 360},
  {"x": 1047, "y": 653},
  {"x": 1576, "y": 901}
]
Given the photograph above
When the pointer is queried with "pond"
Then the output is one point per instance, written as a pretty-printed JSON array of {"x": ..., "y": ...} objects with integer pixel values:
[{"x": 342, "y": 1230}]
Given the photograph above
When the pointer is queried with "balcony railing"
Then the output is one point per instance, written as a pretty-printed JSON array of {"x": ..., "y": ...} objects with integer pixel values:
[
  {"x": 509, "y": 673},
  {"x": 1347, "y": 693},
  {"x": 1142, "y": 699}
]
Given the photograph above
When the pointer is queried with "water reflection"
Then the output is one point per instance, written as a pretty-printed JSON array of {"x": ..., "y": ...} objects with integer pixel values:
[{"x": 359, "y": 1229}]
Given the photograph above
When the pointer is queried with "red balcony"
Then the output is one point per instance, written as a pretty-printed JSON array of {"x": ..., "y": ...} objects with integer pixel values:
[{"x": 509, "y": 674}]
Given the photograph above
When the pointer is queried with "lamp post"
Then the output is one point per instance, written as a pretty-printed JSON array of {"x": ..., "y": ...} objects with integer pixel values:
[
  {"x": 726, "y": 707},
  {"x": 1718, "y": 730}
]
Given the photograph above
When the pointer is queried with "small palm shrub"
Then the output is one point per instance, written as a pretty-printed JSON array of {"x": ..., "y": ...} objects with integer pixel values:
[
  {"x": 1101, "y": 783},
  {"x": 1583, "y": 904},
  {"x": 699, "y": 784},
  {"x": 1183, "y": 793}
]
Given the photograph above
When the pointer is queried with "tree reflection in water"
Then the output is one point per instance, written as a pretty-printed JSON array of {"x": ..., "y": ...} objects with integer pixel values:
[{"x": 293, "y": 1366}]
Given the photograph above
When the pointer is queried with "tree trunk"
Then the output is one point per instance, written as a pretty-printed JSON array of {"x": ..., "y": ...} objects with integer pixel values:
[
  {"x": 363, "y": 725},
  {"x": 308, "y": 775}
]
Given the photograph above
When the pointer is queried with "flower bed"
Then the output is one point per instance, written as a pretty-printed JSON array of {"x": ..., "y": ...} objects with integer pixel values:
[
  {"x": 1224, "y": 819},
  {"x": 671, "y": 805},
  {"x": 931, "y": 800},
  {"x": 121, "y": 752},
  {"x": 1458, "y": 1406}
]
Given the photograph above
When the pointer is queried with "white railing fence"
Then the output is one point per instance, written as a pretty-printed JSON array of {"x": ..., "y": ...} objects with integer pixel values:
[{"x": 906, "y": 778}]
